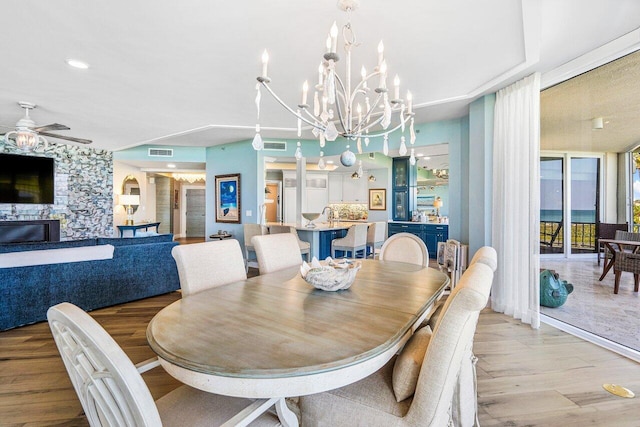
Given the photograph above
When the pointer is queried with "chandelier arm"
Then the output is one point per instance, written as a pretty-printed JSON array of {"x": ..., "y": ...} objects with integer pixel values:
[
  {"x": 386, "y": 132},
  {"x": 370, "y": 112},
  {"x": 370, "y": 125},
  {"x": 281, "y": 102},
  {"x": 343, "y": 95}
]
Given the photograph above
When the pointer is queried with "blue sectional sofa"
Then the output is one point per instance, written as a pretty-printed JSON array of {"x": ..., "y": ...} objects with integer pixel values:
[{"x": 91, "y": 273}]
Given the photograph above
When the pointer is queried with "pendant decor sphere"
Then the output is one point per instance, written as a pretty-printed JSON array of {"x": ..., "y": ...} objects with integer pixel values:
[{"x": 347, "y": 158}]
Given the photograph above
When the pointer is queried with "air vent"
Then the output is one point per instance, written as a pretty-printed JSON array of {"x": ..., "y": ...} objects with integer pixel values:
[
  {"x": 160, "y": 152},
  {"x": 275, "y": 145}
]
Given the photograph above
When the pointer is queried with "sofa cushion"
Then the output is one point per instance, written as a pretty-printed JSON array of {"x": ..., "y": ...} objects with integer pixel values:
[
  {"x": 20, "y": 247},
  {"x": 55, "y": 256},
  {"x": 408, "y": 363},
  {"x": 116, "y": 241}
]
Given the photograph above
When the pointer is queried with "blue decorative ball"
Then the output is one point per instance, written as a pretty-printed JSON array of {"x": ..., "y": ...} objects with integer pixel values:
[{"x": 347, "y": 158}]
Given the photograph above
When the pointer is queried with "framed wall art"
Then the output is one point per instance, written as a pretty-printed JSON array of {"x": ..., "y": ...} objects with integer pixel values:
[
  {"x": 228, "y": 198},
  {"x": 377, "y": 199}
]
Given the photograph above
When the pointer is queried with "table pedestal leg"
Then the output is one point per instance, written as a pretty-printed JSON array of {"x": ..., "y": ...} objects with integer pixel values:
[{"x": 287, "y": 417}]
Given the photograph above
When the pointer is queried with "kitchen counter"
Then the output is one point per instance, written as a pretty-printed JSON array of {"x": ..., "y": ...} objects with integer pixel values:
[
  {"x": 416, "y": 222},
  {"x": 320, "y": 237}
]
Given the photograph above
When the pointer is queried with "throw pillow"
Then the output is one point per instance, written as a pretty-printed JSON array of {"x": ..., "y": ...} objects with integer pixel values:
[{"x": 408, "y": 363}]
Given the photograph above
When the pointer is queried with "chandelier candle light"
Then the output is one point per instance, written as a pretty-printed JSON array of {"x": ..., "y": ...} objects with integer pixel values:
[{"x": 355, "y": 109}]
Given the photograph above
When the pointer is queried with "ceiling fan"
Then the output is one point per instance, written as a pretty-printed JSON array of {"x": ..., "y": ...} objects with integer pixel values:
[{"x": 27, "y": 135}]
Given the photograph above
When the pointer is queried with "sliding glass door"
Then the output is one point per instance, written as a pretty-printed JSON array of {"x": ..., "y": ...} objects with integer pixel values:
[{"x": 569, "y": 204}]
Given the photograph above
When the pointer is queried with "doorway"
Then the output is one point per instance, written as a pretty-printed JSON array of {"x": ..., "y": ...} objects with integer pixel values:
[
  {"x": 569, "y": 204},
  {"x": 272, "y": 201},
  {"x": 194, "y": 215}
]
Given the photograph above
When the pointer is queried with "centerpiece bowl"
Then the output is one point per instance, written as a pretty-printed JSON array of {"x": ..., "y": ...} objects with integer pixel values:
[
  {"x": 331, "y": 276},
  {"x": 311, "y": 217}
]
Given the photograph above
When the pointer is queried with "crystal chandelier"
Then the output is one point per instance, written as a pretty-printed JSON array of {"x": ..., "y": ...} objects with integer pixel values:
[{"x": 356, "y": 111}]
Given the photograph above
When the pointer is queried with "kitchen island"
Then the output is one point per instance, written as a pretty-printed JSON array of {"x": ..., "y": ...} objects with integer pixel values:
[{"x": 321, "y": 236}]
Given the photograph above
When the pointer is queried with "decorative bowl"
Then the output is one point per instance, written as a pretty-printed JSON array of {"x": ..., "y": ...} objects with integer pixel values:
[
  {"x": 311, "y": 217},
  {"x": 332, "y": 277}
]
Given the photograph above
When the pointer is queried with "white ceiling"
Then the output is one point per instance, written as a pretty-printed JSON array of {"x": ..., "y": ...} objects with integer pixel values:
[{"x": 183, "y": 73}]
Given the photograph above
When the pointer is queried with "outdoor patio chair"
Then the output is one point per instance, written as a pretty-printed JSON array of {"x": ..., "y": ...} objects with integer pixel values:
[{"x": 607, "y": 231}]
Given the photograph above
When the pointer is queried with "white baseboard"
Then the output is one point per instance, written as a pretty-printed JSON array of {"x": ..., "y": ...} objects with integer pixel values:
[{"x": 592, "y": 338}]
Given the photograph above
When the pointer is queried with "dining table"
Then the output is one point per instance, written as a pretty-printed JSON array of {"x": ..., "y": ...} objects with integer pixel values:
[
  {"x": 275, "y": 336},
  {"x": 614, "y": 246}
]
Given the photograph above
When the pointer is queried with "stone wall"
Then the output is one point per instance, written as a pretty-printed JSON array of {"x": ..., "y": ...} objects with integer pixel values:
[{"x": 83, "y": 191}]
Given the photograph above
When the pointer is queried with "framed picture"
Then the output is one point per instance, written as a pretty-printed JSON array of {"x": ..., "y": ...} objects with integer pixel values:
[
  {"x": 228, "y": 198},
  {"x": 377, "y": 199}
]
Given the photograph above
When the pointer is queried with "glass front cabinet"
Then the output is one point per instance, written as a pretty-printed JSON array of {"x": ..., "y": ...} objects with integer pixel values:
[{"x": 404, "y": 179}]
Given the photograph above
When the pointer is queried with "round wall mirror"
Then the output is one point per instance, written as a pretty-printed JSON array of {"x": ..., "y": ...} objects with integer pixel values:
[{"x": 130, "y": 186}]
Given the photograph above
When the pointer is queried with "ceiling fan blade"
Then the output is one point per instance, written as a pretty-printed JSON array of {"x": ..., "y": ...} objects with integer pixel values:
[
  {"x": 52, "y": 126},
  {"x": 68, "y": 138}
]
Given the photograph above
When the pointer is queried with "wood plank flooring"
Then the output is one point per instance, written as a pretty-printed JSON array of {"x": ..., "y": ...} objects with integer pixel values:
[{"x": 525, "y": 377}]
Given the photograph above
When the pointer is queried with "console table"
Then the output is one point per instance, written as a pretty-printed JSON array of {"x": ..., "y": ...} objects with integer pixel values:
[{"x": 136, "y": 227}]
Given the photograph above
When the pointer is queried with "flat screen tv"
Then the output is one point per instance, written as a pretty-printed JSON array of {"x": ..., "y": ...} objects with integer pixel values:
[{"x": 26, "y": 179}]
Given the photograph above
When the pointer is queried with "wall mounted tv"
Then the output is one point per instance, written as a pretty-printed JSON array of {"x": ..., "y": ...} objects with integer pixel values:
[{"x": 26, "y": 179}]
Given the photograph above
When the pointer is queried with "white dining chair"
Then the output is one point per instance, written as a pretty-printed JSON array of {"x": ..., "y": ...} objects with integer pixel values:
[
  {"x": 376, "y": 235},
  {"x": 206, "y": 265},
  {"x": 405, "y": 247},
  {"x": 421, "y": 386},
  {"x": 251, "y": 230},
  {"x": 113, "y": 393},
  {"x": 276, "y": 252},
  {"x": 305, "y": 247},
  {"x": 354, "y": 242}
]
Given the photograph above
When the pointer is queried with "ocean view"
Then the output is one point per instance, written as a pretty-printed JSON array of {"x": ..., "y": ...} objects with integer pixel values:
[{"x": 577, "y": 216}]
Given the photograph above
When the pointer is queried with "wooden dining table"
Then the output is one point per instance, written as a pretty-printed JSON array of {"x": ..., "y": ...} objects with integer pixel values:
[
  {"x": 614, "y": 246},
  {"x": 275, "y": 336}
]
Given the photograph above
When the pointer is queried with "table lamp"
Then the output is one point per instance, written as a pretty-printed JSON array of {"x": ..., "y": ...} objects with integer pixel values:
[
  {"x": 437, "y": 203},
  {"x": 129, "y": 200}
]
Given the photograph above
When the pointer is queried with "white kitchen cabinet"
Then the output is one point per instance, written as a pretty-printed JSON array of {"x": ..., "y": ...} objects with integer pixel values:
[
  {"x": 335, "y": 187},
  {"x": 354, "y": 190},
  {"x": 317, "y": 194},
  {"x": 343, "y": 188}
]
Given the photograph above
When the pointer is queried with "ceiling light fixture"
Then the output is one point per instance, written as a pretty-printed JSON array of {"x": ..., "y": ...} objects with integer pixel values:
[
  {"x": 362, "y": 110},
  {"x": 171, "y": 165},
  {"x": 189, "y": 177},
  {"x": 26, "y": 138},
  {"x": 75, "y": 63},
  {"x": 597, "y": 123}
]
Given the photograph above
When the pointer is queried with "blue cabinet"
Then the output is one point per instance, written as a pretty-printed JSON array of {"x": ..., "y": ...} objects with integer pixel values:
[
  {"x": 430, "y": 234},
  {"x": 404, "y": 180},
  {"x": 325, "y": 238}
]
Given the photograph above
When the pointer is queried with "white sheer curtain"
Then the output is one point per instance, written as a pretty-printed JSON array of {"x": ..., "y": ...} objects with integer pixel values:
[{"x": 516, "y": 200}]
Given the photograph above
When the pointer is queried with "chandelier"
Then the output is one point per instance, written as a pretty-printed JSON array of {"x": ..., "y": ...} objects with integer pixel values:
[{"x": 356, "y": 111}]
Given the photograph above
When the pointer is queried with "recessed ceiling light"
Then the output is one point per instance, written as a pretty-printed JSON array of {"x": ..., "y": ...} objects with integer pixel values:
[
  {"x": 330, "y": 162},
  {"x": 76, "y": 63},
  {"x": 419, "y": 155},
  {"x": 171, "y": 165}
]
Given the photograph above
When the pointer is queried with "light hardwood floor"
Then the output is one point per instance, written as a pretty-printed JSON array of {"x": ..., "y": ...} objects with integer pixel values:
[{"x": 525, "y": 377}]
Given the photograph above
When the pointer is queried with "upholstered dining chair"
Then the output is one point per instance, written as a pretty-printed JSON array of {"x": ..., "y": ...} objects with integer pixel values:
[
  {"x": 276, "y": 252},
  {"x": 305, "y": 247},
  {"x": 375, "y": 236},
  {"x": 485, "y": 255},
  {"x": 251, "y": 230},
  {"x": 354, "y": 241},
  {"x": 113, "y": 393},
  {"x": 417, "y": 387},
  {"x": 405, "y": 247},
  {"x": 207, "y": 265}
]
